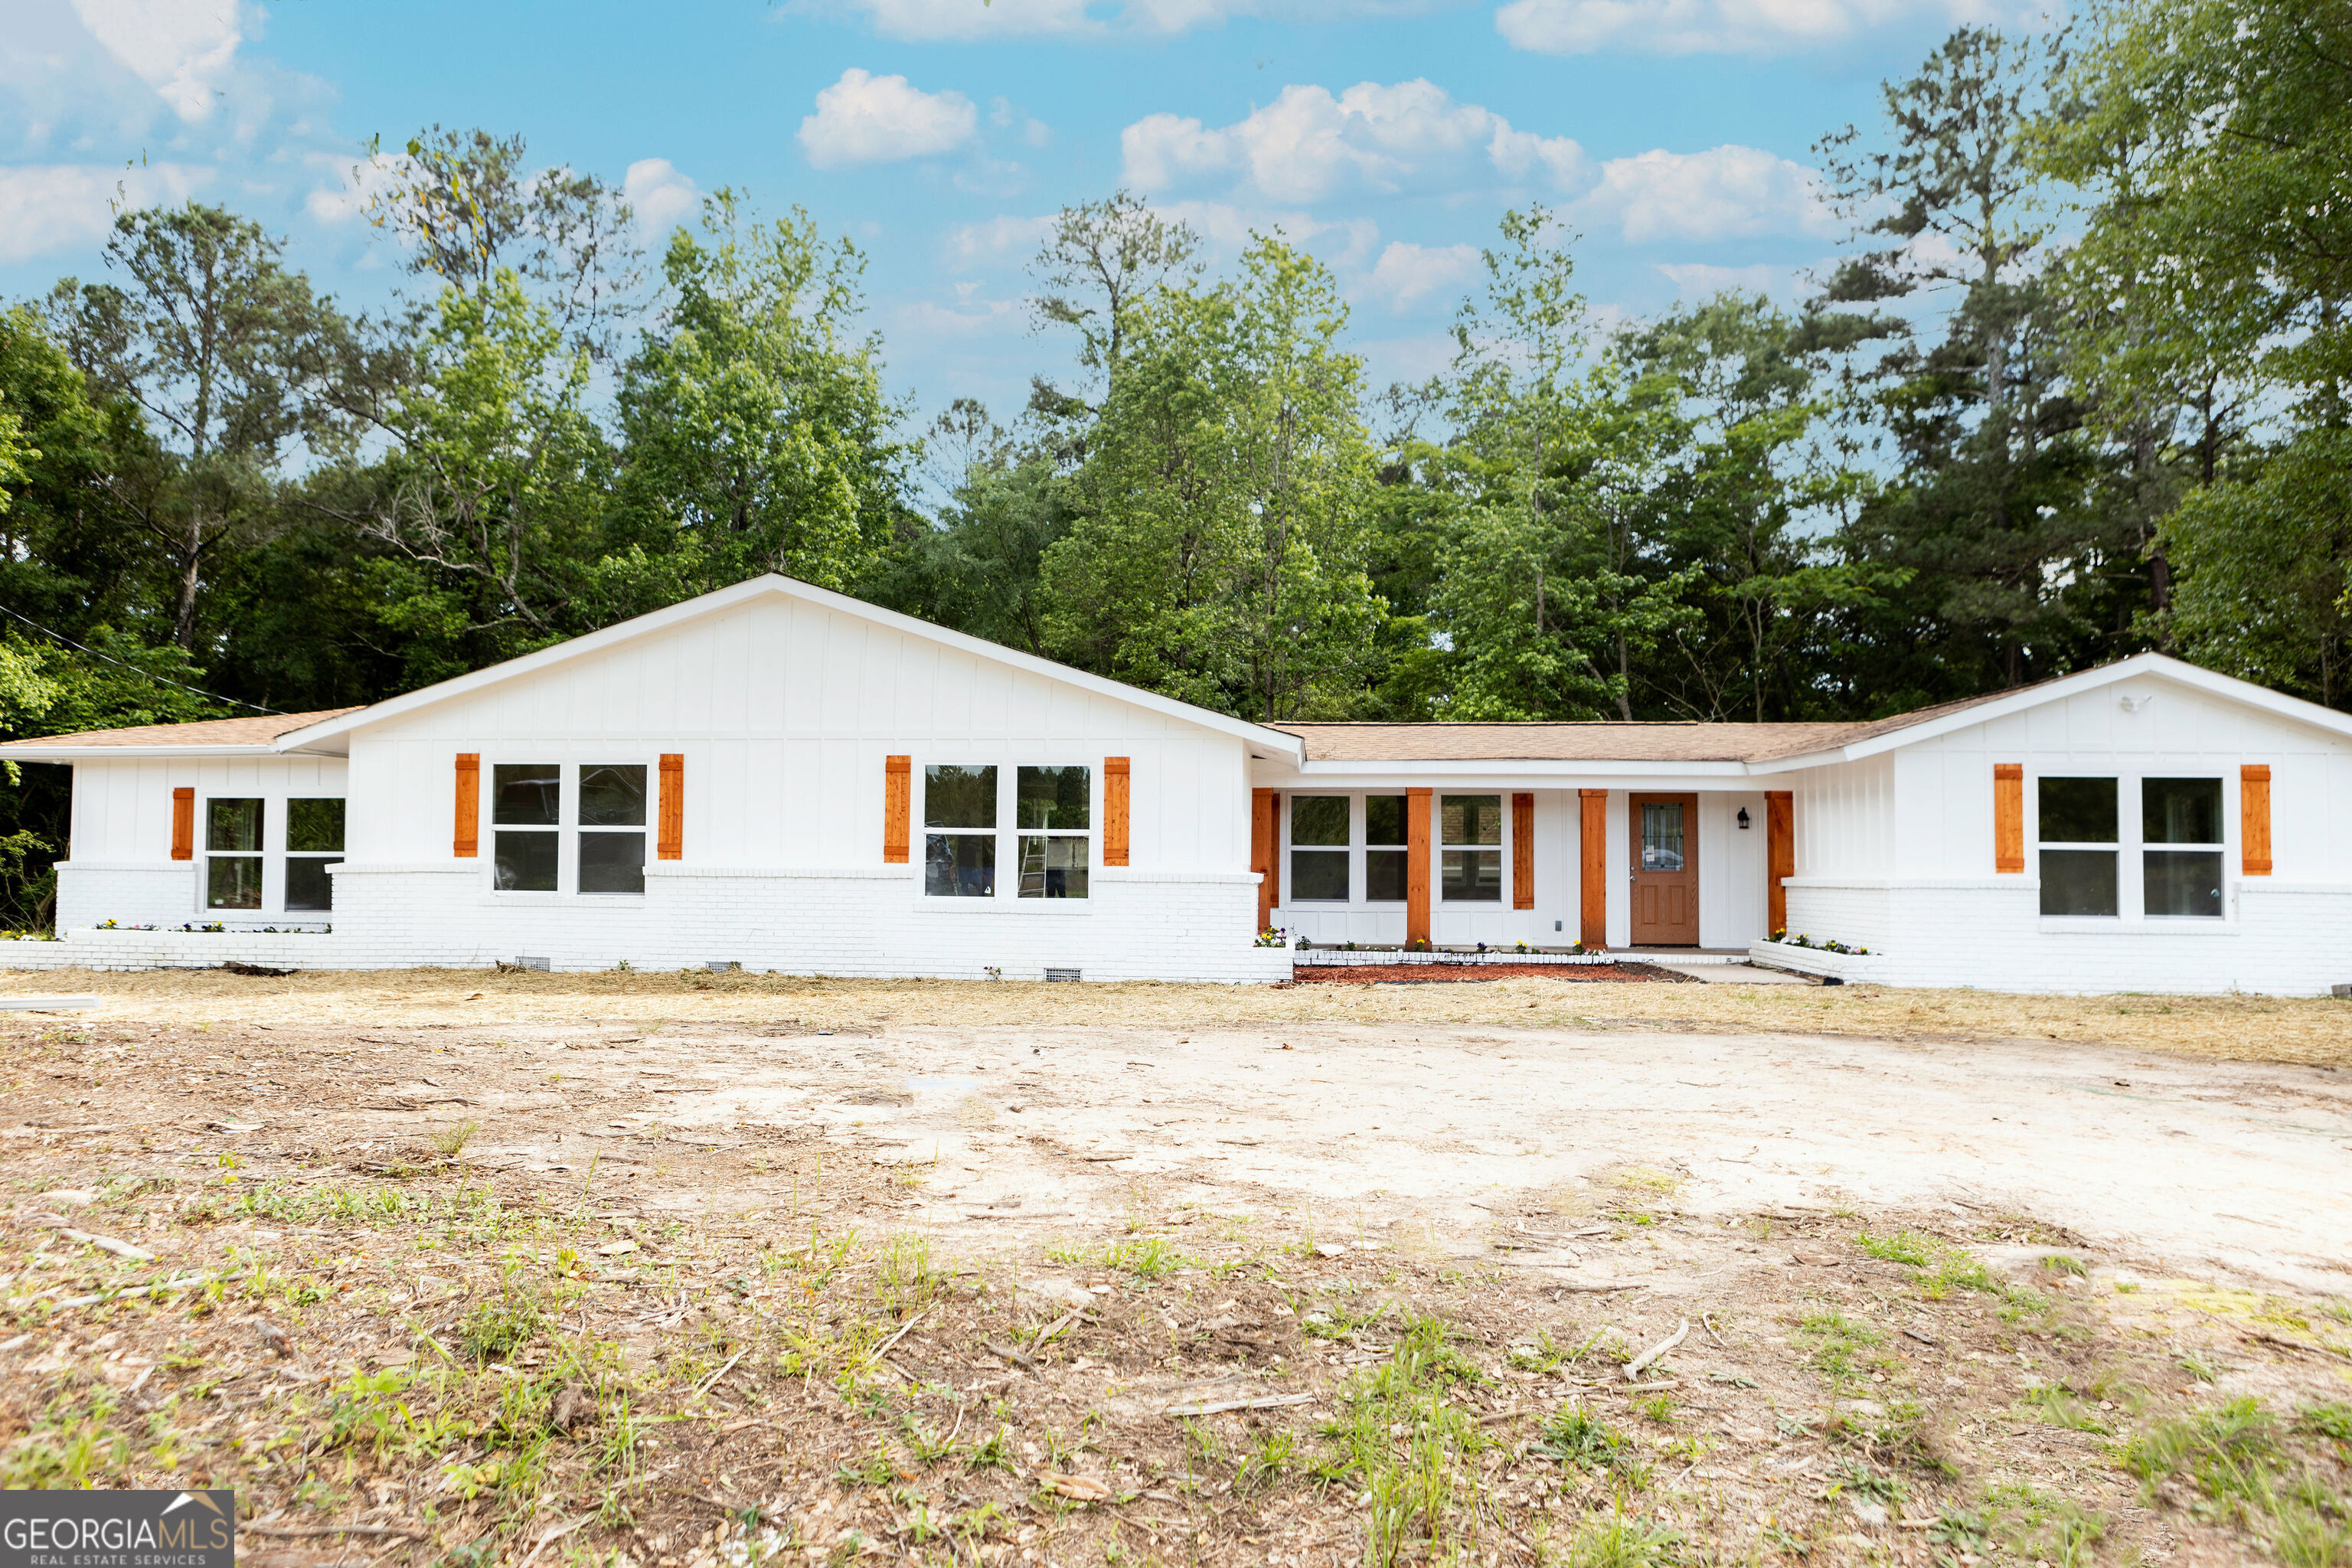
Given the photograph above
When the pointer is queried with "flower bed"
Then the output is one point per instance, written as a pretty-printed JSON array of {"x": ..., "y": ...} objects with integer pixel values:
[{"x": 1597, "y": 968}]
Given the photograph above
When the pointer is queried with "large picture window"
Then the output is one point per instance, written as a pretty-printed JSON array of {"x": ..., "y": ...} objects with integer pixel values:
[
  {"x": 1053, "y": 808},
  {"x": 526, "y": 819},
  {"x": 314, "y": 841},
  {"x": 1385, "y": 848},
  {"x": 233, "y": 854},
  {"x": 1467, "y": 823},
  {"x": 1318, "y": 849},
  {"x": 960, "y": 840},
  {"x": 2076, "y": 823},
  {"x": 2184, "y": 877}
]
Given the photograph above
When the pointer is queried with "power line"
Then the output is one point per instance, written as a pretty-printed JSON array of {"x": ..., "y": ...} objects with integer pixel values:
[{"x": 150, "y": 674}]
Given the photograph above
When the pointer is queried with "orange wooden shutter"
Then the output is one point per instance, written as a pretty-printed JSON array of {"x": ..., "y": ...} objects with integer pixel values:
[
  {"x": 1115, "y": 811},
  {"x": 1592, "y": 858},
  {"x": 2255, "y": 817},
  {"x": 671, "y": 843},
  {"x": 1779, "y": 855},
  {"x": 1266, "y": 851},
  {"x": 2009, "y": 817},
  {"x": 1523, "y": 851},
  {"x": 897, "y": 774},
  {"x": 184, "y": 825},
  {"x": 467, "y": 841},
  {"x": 1416, "y": 867}
]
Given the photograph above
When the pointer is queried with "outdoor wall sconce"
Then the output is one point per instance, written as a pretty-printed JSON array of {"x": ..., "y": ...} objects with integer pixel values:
[{"x": 1743, "y": 819}]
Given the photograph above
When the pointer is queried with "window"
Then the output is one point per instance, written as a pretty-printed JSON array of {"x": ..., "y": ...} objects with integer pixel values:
[
  {"x": 2177, "y": 880},
  {"x": 612, "y": 795},
  {"x": 1662, "y": 836},
  {"x": 960, "y": 863},
  {"x": 1319, "y": 848},
  {"x": 1384, "y": 853},
  {"x": 1472, "y": 874},
  {"x": 1054, "y": 809},
  {"x": 527, "y": 811},
  {"x": 2076, "y": 825},
  {"x": 314, "y": 841},
  {"x": 233, "y": 855}
]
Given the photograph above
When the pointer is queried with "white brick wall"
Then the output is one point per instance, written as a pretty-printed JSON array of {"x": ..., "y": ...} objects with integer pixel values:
[{"x": 1138, "y": 925}]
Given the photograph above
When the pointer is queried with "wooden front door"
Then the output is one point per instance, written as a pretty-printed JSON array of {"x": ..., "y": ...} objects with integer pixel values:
[{"x": 1666, "y": 870}]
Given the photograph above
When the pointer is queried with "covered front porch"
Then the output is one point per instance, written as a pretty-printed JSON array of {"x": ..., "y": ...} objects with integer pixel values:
[{"x": 1668, "y": 863}]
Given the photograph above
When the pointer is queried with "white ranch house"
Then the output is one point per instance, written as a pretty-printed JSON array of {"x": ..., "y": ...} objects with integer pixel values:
[{"x": 785, "y": 778}]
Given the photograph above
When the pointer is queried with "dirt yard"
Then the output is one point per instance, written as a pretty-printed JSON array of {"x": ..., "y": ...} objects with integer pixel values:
[{"x": 697, "y": 1269}]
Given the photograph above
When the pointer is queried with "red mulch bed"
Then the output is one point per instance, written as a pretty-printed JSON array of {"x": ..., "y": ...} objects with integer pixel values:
[{"x": 1433, "y": 973}]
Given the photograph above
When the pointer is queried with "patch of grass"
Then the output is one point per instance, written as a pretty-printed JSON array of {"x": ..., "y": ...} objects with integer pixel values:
[
  {"x": 1838, "y": 1344},
  {"x": 2041, "y": 1528},
  {"x": 1619, "y": 1541},
  {"x": 1577, "y": 1437},
  {"x": 1400, "y": 1437},
  {"x": 1939, "y": 1267},
  {"x": 450, "y": 1141},
  {"x": 2059, "y": 1263},
  {"x": 495, "y": 1328},
  {"x": 1147, "y": 1258}
]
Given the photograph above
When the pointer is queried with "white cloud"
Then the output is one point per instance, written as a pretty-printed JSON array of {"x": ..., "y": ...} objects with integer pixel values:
[
  {"x": 1406, "y": 272},
  {"x": 662, "y": 196},
  {"x": 1725, "y": 193},
  {"x": 1307, "y": 144},
  {"x": 1228, "y": 230},
  {"x": 966, "y": 20},
  {"x": 1726, "y": 27},
  {"x": 976, "y": 318},
  {"x": 1699, "y": 277},
  {"x": 182, "y": 49},
  {"x": 47, "y": 207},
  {"x": 360, "y": 181},
  {"x": 866, "y": 119},
  {"x": 975, "y": 243}
]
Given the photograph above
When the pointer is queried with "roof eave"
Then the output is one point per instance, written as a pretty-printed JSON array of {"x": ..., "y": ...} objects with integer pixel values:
[{"x": 96, "y": 753}]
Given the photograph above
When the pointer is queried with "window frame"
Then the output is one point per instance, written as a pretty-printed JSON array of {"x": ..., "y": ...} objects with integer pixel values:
[
  {"x": 2131, "y": 848},
  {"x": 276, "y": 818},
  {"x": 1349, "y": 852},
  {"x": 1008, "y": 834},
  {"x": 569, "y": 761},
  {"x": 1498, "y": 850}
]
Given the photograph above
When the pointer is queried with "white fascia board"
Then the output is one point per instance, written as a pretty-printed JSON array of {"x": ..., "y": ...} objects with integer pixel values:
[
  {"x": 148, "y": 753},
  {"x": 662, "y": 620},
  {"x": 2226, "y": 686}
]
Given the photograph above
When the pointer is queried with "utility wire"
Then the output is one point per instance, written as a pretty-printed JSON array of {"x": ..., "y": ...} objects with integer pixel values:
[{"x": 150, "y": 674}]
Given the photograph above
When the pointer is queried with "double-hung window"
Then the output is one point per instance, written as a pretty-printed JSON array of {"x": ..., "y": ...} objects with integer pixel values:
[
  {"x": 233, "y": 853},
  {"x": 1054, "y": 810},
  {"x": 2183, "y": 876},
  {"x": 2075, "y": 821},
  {"x": 527, "y": 823},
  {"x": 611, "y": 803},
  {"x": 1318, "y": 849},
  {"x": 1471, "y": 872},
  {"x": 314, "y": 841},
  {"x": 1385, "y": 848},
  {"x": 960, "y": 839}
]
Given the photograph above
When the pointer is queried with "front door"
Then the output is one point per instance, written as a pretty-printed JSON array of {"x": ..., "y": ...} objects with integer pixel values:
[{"x": 1666, "y": 870}]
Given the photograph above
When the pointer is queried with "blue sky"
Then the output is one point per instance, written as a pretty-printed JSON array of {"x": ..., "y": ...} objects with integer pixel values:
[{"x": 1385, "y": 135}]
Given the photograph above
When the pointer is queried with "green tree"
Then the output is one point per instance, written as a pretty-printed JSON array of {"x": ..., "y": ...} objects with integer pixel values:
[
  {"x": 1217, "y": 549},
  {"x": 758, "y": 437},
  {"x": 2209, "y": 141}
]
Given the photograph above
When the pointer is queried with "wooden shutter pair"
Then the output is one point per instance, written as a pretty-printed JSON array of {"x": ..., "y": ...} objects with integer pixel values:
[
  {"x": 669, "y": 819},
  {"x": 897, "y": 808},
  {"x": 2008, "y": 818}
]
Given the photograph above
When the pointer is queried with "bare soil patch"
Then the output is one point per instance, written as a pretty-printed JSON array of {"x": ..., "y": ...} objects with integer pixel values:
[
  {"x": 1439, "y": 973},
  {"x": 660, "y": 1274}
]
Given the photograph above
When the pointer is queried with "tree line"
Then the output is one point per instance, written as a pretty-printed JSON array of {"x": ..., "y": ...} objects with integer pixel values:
[{"x": 2076, "y": 388}]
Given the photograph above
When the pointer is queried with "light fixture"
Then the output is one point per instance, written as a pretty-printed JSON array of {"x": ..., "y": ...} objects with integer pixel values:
[{"x": 1743, "y": 819}]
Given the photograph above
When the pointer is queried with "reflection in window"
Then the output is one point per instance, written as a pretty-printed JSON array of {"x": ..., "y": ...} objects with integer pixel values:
[
  {"x": 2074, "y": 816},
  {"x": 960, "y": 865},
  {"x": 1471, "y": 874},
  {"x": 1662, "y": 836},
  {"x": 2175, "y": 881},
  {"x": 1384, "y": 852},
  {"x": 527, "y": 796},
  {"x": 612, "y": 795},
  {"x": 1054, "y": 863},
  {"x": 233, "y": 854},
  {"x": 1318, "y": 849},
  {"x": 314, "y": 841}
]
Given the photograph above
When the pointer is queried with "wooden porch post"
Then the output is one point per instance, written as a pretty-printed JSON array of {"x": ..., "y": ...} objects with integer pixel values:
[
  {"x": 1416, "y": 867},
  {"x": 1266, "y": 851},
  {"x": 1523, "y": 850},
  {"x": 1779, "y": 856},
  {"x": 1593, "y": 847}
]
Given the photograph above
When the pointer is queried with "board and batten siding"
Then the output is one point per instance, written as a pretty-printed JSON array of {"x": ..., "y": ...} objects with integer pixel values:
[{"x": 786, "y": 712}]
